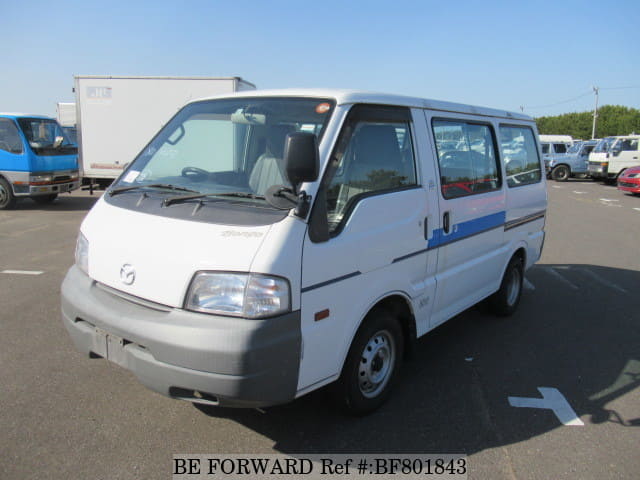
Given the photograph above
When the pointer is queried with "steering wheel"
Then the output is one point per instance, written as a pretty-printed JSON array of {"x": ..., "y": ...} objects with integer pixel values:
[{"x": 195, "y": 173}]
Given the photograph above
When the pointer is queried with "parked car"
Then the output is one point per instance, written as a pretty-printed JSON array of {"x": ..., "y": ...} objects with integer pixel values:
[
  {"x": 190, "y": 269},
  {"x": 575, "y": 162},
  {"x": 623, "y": 153},
  {"x": 629, "y": 180}
]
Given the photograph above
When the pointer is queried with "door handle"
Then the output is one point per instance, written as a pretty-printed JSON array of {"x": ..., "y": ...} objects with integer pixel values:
[
  {"x": 426, "y": 228},
  {"x": 446, "y": 222}
]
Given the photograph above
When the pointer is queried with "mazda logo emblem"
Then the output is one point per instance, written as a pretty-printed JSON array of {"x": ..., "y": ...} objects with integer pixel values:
[{"x": 127, "y": 274}]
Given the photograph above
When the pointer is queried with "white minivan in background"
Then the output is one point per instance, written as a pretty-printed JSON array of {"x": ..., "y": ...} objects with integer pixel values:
[{"x": 265, "y": 244}]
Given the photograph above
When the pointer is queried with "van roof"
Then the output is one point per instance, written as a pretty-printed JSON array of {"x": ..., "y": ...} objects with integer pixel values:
[{"x": 346, "y": 97}]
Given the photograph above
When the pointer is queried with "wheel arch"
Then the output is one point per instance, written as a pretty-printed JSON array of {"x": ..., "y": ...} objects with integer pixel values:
[{"x": 399, "y": 304}]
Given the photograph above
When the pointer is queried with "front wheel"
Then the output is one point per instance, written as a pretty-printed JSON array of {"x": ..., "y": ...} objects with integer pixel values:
[
  {"x": 505, "y": 301},
  {"x": 561, "y": 173},
  {"x": 7, "y": 198},
  {"x": 372, "y": 364}
]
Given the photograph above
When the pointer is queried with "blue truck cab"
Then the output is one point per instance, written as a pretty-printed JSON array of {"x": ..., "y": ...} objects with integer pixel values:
[{"x": 37, "y": 159}]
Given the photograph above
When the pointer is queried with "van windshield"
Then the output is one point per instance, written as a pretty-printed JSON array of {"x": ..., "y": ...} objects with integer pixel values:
[
  {"x": 227, "y": 146},
  {"x": 604, "y": 145}
]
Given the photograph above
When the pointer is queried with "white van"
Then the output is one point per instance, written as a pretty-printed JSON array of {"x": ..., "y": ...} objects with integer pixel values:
[
  {"x": 623, "y": 153},
  {"x": 265, "y": 244}
]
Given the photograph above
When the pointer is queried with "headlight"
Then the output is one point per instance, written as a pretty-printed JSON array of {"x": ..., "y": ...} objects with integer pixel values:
[
  {"x": 82, "y": 253},
  {"x": 238, "y": 294},
  {"x": 40, "y": 178}
]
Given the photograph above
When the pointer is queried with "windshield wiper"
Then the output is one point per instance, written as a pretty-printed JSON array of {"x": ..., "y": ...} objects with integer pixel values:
[
  {"x": 184, "y": 198},
  {"x": 166, "y": 186}
]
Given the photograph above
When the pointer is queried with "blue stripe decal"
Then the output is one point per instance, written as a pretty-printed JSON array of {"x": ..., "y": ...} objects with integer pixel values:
[{"x": 467, "y": 229}]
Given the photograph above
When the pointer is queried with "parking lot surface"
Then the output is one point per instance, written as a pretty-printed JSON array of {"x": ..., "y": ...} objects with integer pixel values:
[{"x": 577, "y": 332}]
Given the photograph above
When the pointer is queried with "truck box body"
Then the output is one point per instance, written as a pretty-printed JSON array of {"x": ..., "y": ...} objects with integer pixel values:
[
  {"x": 117, "y": 116},
  {"x": 66, "y": 114}
]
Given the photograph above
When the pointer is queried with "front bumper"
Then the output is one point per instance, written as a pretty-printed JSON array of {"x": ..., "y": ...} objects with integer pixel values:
[
  {"x": 192, "y": 356},
  {"x": 598, "y": 171},
  {"x": 629, "y": 185}
]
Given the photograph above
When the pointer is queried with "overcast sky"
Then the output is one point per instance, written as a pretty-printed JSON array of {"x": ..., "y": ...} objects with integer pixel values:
[{"x": 543, "y": 56}]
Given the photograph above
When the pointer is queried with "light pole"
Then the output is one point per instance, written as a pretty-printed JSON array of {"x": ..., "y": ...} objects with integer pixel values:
[{"x": 595, "y": 113}]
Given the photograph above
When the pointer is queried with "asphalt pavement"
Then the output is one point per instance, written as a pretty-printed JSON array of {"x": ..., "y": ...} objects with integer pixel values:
[{"x": 574, "y": 342}]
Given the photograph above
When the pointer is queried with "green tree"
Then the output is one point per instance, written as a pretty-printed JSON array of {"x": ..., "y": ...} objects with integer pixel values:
[{"x": 612, "y": 120}]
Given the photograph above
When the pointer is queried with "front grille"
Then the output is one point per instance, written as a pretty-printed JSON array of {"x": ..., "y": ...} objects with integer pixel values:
[
  {"x": 629, "y": 185},
  {"x": 62, "y": 178}
]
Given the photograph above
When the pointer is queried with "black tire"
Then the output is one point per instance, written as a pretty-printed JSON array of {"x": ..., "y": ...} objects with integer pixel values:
[
  {"x": 7, "y": 198},
  {"x": 372, "y": 364},
  {"x": 45, "y": 199},
  {"x": 561, "y": 173},
  {"x": 506, "y": 300}
]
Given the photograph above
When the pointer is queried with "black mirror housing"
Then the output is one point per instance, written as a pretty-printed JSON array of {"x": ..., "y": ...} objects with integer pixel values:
[{"x": 301, "y": 158}]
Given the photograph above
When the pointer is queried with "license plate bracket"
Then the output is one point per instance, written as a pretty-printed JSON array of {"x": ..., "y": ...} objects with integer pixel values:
[{"x": 110, "y": 347}]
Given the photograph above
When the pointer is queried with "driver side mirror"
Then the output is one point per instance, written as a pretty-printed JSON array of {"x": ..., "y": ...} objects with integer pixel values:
[
  {"x": 58, "y": 141},
  {"x": 301, "y": 158}
]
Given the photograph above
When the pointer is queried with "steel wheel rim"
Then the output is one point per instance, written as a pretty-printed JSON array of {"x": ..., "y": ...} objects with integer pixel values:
[
  {"x": 376, "y": 365},
  {"x": 4, "y": 196},
  {"x": 513, "y": 287}
]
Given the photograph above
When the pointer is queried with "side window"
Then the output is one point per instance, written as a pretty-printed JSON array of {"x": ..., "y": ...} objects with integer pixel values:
[
  {"x": 10, "y": 140},
  {"x": 374, "y": 154},
  {"x": 545, "y": 148},
  {"x": 467, "y": 158},
  {"x": 560, "y": 148},
  {"x": 520, "y": 155}
]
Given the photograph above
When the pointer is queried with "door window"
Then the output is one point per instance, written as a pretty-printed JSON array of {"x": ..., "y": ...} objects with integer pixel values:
[
  {"x": 10, "y": 140},
  {"x": 466, "y": 157},
  {"x": 374, "y": 155}
]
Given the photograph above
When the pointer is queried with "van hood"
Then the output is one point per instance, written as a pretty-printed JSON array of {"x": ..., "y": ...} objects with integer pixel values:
[
  {"x": 163, "y": 253},
  {"x": 50, "y": 163}
]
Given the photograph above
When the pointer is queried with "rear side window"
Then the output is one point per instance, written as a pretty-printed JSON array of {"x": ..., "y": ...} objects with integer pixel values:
[
  {"x": 9, "y": 136},
  {"x": 560, "y": 148},
  {"x": 520, "y": 154},
  {"x": 467, "y": 158}
]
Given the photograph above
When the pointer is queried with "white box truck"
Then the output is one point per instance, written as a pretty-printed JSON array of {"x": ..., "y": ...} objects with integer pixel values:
[{"x": 116, "y": 116}]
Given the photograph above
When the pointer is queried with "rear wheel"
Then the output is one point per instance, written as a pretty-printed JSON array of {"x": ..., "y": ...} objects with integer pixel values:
[
  {"x": 44, "y": 199},
  {"x": 561, "y": 173},
  {"x": 505, "y": 301},
  {"x": 372, "y": 364},
  {"x": 7, "y": 198}
]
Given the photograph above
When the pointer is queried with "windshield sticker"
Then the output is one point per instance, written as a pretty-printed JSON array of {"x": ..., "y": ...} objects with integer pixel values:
[
  {"x": 131, "y": 176},
  {"x": 323, "y": 108}
]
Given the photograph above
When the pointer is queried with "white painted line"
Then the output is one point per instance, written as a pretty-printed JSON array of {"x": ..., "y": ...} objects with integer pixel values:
[
  {"x": 609, "y": 200},
  {"x": 579, "y": 193},
  {"x": 636, "y": 209},
  {"x": 553, "y": 400},
  {"x": 528, "y": 285},
  {"x": 553, "y": 272},
  {"x": 603, "y": 281},
  {"x": 22, "y": 272},
  {"x": 556, "y": 186}
]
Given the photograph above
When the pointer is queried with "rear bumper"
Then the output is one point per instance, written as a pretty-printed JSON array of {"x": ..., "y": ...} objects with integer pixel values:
[{"x": 197, "y": 357}]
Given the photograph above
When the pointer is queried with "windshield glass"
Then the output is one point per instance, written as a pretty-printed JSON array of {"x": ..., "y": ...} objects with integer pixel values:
[
  {"x": 604, "y": 145},
  {"x": 575, "y": 148},
  {"x": 41, "y": 133},
  {"x": 229, "y": 145}
]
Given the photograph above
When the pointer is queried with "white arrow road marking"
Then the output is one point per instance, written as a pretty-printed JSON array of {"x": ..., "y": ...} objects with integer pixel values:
[
  {"x": 22, "y": 272},
  {"x": 553, "y": 400}
]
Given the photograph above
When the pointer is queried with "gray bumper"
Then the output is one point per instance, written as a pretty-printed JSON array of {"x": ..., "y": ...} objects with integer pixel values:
[
  {"x": 196, "y": 357},
  {"x": 598, "y": 171}
]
